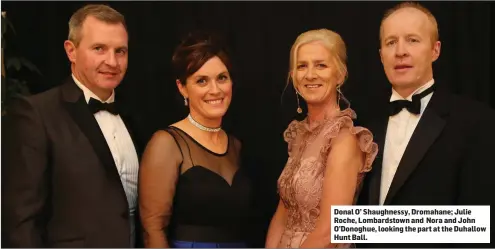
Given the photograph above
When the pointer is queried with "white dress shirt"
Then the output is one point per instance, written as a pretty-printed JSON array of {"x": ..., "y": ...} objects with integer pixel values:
[
  {"x": 122, "y": 148},
  {"x": 399, "y": 131}
]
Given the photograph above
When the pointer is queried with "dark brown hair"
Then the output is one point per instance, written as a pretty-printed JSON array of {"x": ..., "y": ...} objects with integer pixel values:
[
  {"x": 195, "y": 50},
  {"x": 101, "y": 12}
]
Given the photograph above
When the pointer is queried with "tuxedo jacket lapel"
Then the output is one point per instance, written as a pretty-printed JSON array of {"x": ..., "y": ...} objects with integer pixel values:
[
  {"x": 78, "y": 109},
  {"x": 427, "y": 131}
]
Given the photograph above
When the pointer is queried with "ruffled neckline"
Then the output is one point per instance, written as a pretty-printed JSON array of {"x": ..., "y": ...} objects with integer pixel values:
[{"x": 329, "y": 117}]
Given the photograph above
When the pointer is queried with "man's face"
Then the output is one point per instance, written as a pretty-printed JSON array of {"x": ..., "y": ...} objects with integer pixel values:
[
  {"x": 407, "y": 50},
  {"x": 100, "y": 60}
]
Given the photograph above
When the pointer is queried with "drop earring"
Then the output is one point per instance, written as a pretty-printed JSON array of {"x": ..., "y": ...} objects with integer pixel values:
[
  {"x": 299, "y": 109},
  {"x": 185, "y": 101},
  {"x": 342, "y": 97}
]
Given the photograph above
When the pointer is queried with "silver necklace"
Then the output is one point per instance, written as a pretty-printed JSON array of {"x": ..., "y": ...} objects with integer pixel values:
[{"x": 202, "y": 127}]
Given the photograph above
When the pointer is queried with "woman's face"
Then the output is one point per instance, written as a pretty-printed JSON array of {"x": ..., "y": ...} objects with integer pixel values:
[
  {"x": 315, "y": 76},
  {"x": 209, "y": 90}
]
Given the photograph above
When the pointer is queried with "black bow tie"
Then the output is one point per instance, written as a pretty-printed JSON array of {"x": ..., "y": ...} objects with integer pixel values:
[
  {"x": 413, "y": 106},
  {"x": 96, "y": 106}
]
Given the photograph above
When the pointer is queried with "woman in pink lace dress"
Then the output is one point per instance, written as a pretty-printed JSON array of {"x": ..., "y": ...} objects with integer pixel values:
[{"x": 328, "y": 155}]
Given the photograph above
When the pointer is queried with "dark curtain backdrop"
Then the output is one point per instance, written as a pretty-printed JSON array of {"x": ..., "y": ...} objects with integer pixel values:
[{"x": 260, "y": 35}]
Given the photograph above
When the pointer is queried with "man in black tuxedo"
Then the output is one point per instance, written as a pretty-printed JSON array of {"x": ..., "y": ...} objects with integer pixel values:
[
  {"x": 436, "y": 148},
  {"x": 71, "y": 166}
]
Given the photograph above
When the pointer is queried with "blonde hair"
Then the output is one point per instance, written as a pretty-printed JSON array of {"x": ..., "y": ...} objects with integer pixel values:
[
  {"x": 101, "y": 12},
  {"x": 417, "y": 6},
  {"x": 331, "y": 41}
]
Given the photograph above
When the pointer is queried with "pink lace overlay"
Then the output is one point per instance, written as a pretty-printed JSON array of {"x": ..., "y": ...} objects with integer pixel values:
[{"x": 301, "y": 183}]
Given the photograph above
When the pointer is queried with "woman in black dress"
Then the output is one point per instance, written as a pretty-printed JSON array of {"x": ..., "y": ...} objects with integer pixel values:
[{"x": 192, "y": 192}]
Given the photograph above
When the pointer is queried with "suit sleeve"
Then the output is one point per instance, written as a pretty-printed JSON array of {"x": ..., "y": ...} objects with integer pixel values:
[
  {"x": 25, "y": 177},
  {"x": 476, "y": 181}
]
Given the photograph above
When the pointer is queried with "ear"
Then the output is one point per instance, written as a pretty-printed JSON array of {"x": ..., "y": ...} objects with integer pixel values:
[
  {"x": 436, "y": 50},
  {"x": 341, "y": 79},
  {"x": 381, "y": 56},
  {"x": 182, "y": 88},
  {"x": 70, "y": 50},
  {"x": 294, "y": 84}
]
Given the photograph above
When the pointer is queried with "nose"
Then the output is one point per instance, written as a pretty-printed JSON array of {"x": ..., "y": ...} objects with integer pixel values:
[
  {"x": 214, "y": 87},
  {"x": 310, "y": 74},
  {"x": 401, "y": 49},
  {"x": 111, "y": 59}
]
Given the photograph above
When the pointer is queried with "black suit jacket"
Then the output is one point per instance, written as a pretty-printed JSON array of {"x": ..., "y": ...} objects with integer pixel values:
[
  {"x": 448, "y": 160},
  {"x": 61, "y": 187}
]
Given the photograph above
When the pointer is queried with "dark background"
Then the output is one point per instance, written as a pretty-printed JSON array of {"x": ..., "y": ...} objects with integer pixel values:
[{"x": 260, "y": 35}]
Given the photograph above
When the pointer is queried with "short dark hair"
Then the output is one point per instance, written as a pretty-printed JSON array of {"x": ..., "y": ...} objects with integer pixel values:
[{"x": 195, "y": 50}]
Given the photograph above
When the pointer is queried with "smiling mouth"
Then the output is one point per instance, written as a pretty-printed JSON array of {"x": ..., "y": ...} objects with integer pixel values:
[
  {"x": 402, "y": 67},
  {"x": 214, "y": 101},
  {"x": 313, "y": 86},
  {"x": 109, "y": 73}
]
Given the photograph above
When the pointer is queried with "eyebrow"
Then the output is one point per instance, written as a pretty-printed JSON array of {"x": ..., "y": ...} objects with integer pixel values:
[
  {"x": 390, "y": 37},
  {"x": 319, "y": 61},
  {"x": 98, "y": 45},
  {"x": 314, "y": 61},
  {"x": 395, "y": 36},
  {"x": 206, "y": 76},
  {"x": 106, "y": 46},
  {"x": 201, "y": 76},
  {"x": 416, "y": 35}
]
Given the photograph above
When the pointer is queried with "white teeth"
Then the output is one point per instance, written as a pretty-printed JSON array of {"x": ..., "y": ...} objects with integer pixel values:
[
  {"x": 313, "y": 86},
  {"x": 218, "y": 101}
]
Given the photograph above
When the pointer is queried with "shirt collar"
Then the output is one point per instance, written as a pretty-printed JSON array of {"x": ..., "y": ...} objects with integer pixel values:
[
  {"x": 397, "y": 96},
  {"x": 88, "y": 94}
]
